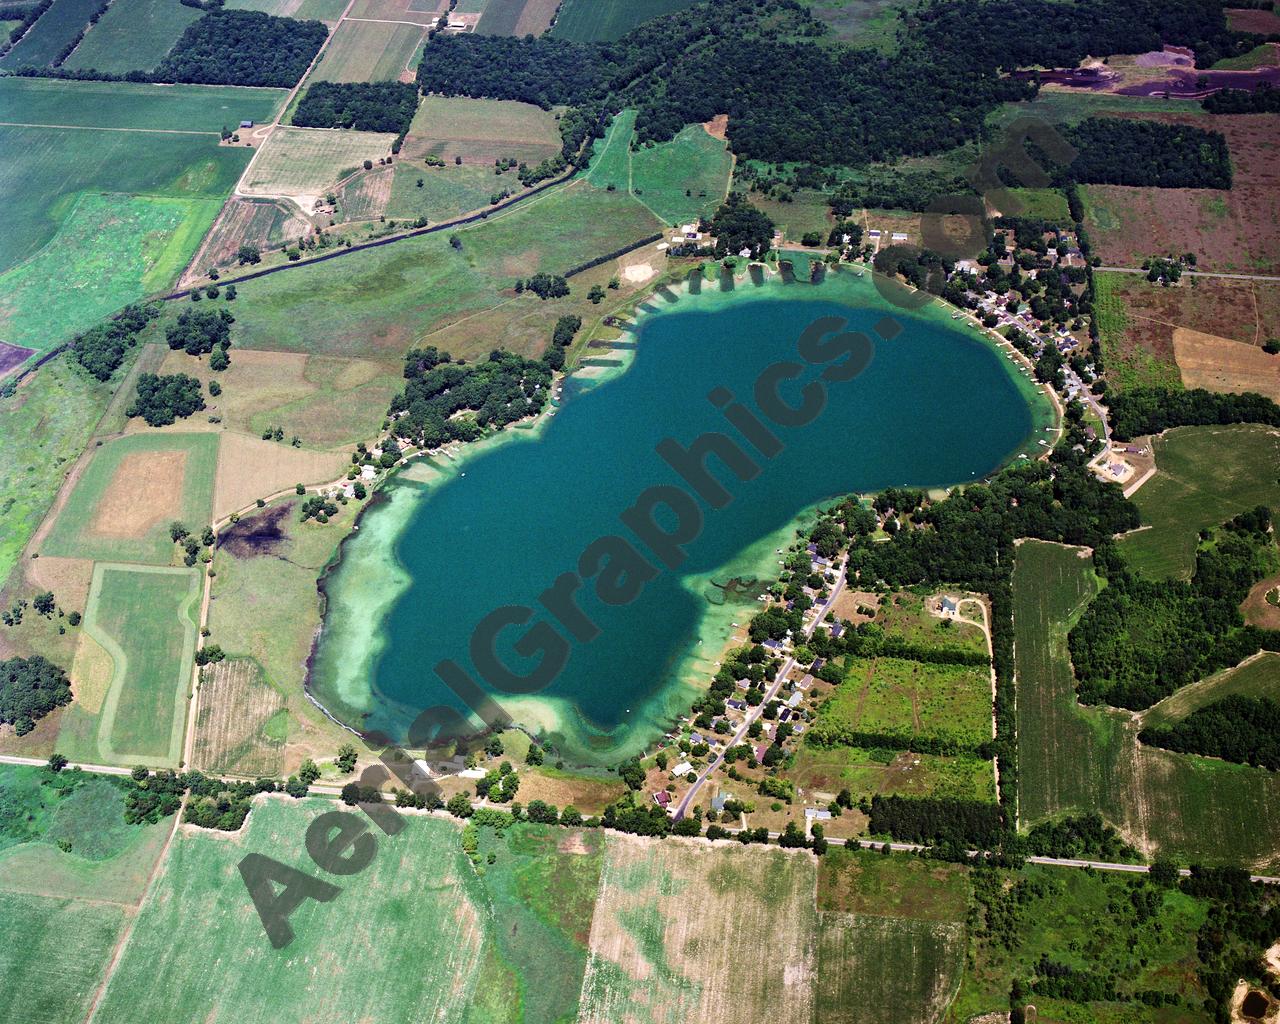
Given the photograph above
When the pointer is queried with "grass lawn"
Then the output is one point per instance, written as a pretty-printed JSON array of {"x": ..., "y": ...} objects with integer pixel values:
[
  {"x": 1088, "y": 922},
  {"x": 903, "y": 700},
  {"x": 143, "y": 619},
  {"x": 310, "y": 161},
  {"x": 411, "y": 898},
  {"x": 365, "y": 51},
  {"x": 1074, "y": 759},
  {"x": 807, "y": 212},
  {"x": 1204, "y": 476},
  {"x": 46, "y": 424},
  {"x": 50, "y": 976},
  {"x": 50, "y": 34},
  {"x": 103, "y": 518},
  {"x": 1047, "y": 204},
  {"x": 385, "y": 300},
  {"x": 481, "y": 131},
  {"x": 594, "y": 21},
  {"x": 133, "y": 35}
]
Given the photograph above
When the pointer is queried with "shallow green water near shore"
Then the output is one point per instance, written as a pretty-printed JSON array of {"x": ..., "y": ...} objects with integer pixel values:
[{"x": 453, "y": 541}]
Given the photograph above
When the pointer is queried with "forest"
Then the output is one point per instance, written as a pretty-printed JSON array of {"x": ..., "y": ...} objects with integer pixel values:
[
  {"x": 1141, "y": 411},
  {"x": 499, "y": 390},
  {"x": 1125, "y": 151},
  {"x": 835, "y": 105},
  {"x": 242, "y": 48},
  {"x": 1241, "y": 729},
  {"x": 1139, "y": 640},
  {"x": 162, "y": 400},
  {"x": 968, "y": 823},
  {"x": 740, "y": 227},
  {"x": 29, "y": 689},
  {"x": 364, "y": 106}
]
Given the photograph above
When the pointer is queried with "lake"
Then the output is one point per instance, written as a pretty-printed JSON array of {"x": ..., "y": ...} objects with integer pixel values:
[{"x": 449, "y": 542}]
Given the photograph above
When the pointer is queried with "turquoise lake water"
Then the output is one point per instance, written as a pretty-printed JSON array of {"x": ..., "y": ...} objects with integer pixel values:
[{"x": 449, "y": 543}]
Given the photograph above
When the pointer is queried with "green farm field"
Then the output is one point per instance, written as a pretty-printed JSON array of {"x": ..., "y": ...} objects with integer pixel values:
[
  {"x": 390, "y": 298},
  {"x": 143, "y": 619},
  {"x": 516, "y": 17},
  {"x": 1075, "y": 759},
  {"x": 672, "y": 923},
  {"x": 50, "y": 977},
  {"x": 481, "y": 131},
  {"x": 54, "y": 413},
  {"x": 103, "y": 516},
  {"x": 1260, "y": 677},
  {"x": 308, "y": 161},
  {"x": 366, "y": 51},
  {"x": 133, "y": 35},
  {"x": 660, "y": 175},
  {"x": 143, "y": 193},
  {"x": 303, "y": 10},
  {"x": 412, "y": 898},
  {"x": 595, "y": 21},
  {"x": 51, "y": 33},
  {"x": 1204, "y": 476},
  {"x": 911, "y": 700}
]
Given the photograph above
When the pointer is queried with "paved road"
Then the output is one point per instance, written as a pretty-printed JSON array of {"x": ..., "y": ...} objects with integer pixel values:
[
  {"x": 755, "y": 712},
  {"x": 1195, "y": 273}
]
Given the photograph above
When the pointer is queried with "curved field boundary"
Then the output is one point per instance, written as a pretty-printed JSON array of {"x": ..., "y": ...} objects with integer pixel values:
[{"x": 120, "y": 661}]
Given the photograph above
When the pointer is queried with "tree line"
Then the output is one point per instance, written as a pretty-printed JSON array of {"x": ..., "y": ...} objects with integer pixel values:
[
  {"x": 1152, "y": 410},
  {"x": 1245, "y": 730}
]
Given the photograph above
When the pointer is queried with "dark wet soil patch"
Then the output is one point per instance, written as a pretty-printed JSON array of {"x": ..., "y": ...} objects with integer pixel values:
[{"x": 261, "y": 534}]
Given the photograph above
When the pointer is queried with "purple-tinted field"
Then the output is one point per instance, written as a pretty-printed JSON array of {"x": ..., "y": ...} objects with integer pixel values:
[{"x": 12, "y": 356}]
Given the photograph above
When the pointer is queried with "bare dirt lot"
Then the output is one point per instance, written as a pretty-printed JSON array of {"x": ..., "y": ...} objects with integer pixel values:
[
  {"x": 145, "y": 491},
  {"x": 1220, "y": 364},
  {"x": 1231, "y": 231}
]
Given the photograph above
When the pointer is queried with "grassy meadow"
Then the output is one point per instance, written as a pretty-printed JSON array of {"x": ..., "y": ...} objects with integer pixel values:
[
  {"x": 133, "y": 35},
  {"x": 103, "y": 517},
  {"x": 303, "y": 10},
  {"x": 445, "y": 192},
  {"x": 870, "y": 772},
  {"x": 1074, "y": 759},
  {"x": 392, "y": 298},
  {"x": 131, "y": 708},
  {"x": 912, "y": 699},
  {"x": 53, "y": 414},
  {"x": 1259, "y": 677},
  {"x": 679, "y": 181},
  {"x": 1204, "y": 476}
]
